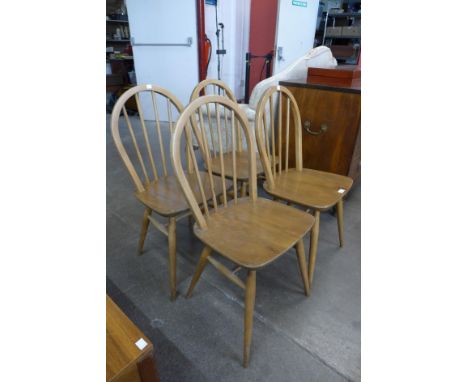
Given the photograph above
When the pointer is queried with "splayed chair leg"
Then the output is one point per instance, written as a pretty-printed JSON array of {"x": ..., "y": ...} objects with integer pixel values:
[
  {"x": 144, "y": 230},
  {"x": 248, "y": 314},
  {"x": 314, "y": 235},
  {"x": 199, "y": 270},
  {"x": 172, "y": 257},
  {"x": 302, "y": 266}
]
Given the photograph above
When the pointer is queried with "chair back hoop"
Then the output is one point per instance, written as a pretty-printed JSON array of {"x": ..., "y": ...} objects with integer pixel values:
[
  {"x": 211, "y": 182},
  {"x": 273, "y": 143},
  {"x": 217, "y": 87},
  {"x": 146, "y": 152}
]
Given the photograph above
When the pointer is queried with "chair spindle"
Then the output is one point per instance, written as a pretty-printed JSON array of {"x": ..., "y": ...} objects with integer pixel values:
[
  {"x": 158, "y": 131},
  {"x": 145, "y": 135}
]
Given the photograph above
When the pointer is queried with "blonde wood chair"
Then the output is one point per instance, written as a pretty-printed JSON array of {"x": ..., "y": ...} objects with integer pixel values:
[
  {"x": 249, "y": 231},
  {"x": 217, "y": 87},
  {"x": 315, "y": 190},
  {"x": 156, "y": 188}
]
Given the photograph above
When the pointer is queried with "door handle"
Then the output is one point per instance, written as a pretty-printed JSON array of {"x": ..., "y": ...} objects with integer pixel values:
[
  {"x": 188, "y": 43},
  {"x": 280, "y": 53},
  {"x": 323, "y": 128}
]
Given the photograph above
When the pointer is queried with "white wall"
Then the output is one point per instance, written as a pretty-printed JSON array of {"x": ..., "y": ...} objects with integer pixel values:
[
  {"x": 172, "y": 67},
  {"x": 235, "y": 15},
  {"x": 295, "y": 31}
]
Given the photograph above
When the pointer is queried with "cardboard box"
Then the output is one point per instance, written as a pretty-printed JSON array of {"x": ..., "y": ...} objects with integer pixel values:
[
  {"x": 342, "y": 51},
  {"x": 334, "y": 31},
  {"x": 354, "y": 31},
  {"x": 345, "y": 75}
]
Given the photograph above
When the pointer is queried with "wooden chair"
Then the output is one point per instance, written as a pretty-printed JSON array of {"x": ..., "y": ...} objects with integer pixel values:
[
  {"x": 249, "y": 231},
  {"x": 217, "y": 87},
  {"x": 316, "y": 190},
  {"x": 157, "y": 190}
]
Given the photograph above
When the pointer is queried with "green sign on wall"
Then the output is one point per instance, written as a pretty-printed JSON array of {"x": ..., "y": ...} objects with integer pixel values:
[{"x": 299, "y": 3}]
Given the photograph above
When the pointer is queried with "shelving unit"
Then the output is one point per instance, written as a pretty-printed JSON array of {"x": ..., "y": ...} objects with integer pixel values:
[
  {"x": 119, "y": 55},
  {"x": 114, "y": 25},
  {"x": 332, "y": 33}
]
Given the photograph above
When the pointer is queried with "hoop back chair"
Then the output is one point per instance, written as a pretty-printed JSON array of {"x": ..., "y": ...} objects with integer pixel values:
[
  {"x": 148, "y": 164},
  {"x": 315, "y": 190},
  {"x": 249, "y": 231},
  {"x": 217, "y": 87}
]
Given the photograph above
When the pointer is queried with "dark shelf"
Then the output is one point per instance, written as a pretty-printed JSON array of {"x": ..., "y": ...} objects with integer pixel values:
[
  {"x": 342, "y": 37},
  {"x": 345, "y": 14},
  {"x": 117, "y": 21},
  {"x": 129, "y": 58},
  {"x": 118, "y": 41}
]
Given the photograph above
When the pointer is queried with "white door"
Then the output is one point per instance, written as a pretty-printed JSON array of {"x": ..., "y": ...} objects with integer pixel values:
[
  {"x": 164, "y": 40},
  {"x": 295, "y": 31}
]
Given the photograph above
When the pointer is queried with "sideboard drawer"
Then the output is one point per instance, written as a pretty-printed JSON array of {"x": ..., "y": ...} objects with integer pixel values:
[{"x": 330, "y": 130}]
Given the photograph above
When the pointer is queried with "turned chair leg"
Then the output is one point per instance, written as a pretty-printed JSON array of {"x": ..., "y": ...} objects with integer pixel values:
[
  {"x": 314, "y": 235},
  {"x": 339, "y": 218},
  {"x": 144, "y": 230},
  {"x": 223, "y": 200},
  {"x": 302, "y": 266},
  {"x": 243, "y": 191},
  {"x": 248, "y": 314},
  {"x": 199, "y": 270},
  {"x": 172, "y": 257}
]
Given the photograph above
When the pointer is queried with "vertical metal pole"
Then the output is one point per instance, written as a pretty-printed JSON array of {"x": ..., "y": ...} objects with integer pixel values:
[
  {"x": 217, "y": 42},
  {"x": 247, "y": 77},
  {"x": 202, "y": 54},
  {"x": 325, "y": 28},
  {"x": 269, "y": 57}
]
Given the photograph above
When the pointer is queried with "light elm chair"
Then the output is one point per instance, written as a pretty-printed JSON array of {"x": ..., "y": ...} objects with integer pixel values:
[
  {"x": 142, "y": 151},
  {"x": 217, "y": 87},
  {"x": 316, "y": 190},
  {"x": 251, "y": 232}
]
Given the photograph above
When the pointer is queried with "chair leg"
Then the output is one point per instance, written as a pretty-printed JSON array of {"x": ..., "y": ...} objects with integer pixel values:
[
  {"x": 144, "y": 230},
  {"x": 172, "y": 257},
  {"x": 200, "y": 267},
  {"x": 314, "y": 235},
  {"x": 302, "y": 265},
  {"x": 248, "y": 314},
  {"x": 243, "y": 191},
  {"x": 224, "y": 200},
  {"x": 339, "y": 218}
]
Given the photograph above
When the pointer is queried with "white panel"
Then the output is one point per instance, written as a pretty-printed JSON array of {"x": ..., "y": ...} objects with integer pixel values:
[
  {"x": 295, "y": 31},
  {"x": 235, "y": 15},
  {"x": 242, "y": 44},
  {"x": 172, "y": 67}
]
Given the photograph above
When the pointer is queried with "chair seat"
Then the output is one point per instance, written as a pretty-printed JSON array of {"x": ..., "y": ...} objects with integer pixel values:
[
  {"x": 253, "y": 234},
  {"x": 242, "y": 165},
  {"x": 310, "y": 188},
  {"x": 167, "y": 199}
]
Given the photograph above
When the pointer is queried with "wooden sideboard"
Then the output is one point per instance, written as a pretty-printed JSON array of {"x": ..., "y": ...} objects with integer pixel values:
[
  {"x": 129, "y": 353},
  {"x": 331, "y": 126}
]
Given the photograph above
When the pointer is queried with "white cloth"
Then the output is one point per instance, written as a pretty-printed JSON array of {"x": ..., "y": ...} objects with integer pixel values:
[{"x": 319, "y": 57}]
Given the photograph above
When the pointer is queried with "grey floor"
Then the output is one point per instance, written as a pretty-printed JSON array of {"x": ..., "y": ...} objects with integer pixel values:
[{"x": 295, "y": 338}]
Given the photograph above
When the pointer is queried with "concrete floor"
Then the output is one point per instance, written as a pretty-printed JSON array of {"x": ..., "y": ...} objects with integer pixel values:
[{"x": 295, "y": 338}]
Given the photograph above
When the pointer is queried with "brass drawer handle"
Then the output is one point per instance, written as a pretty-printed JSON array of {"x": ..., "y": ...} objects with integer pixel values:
[{"x": 323, "y": 128}]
